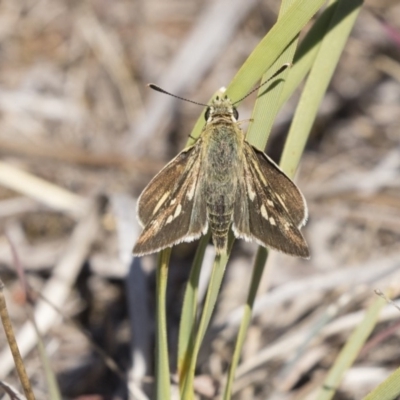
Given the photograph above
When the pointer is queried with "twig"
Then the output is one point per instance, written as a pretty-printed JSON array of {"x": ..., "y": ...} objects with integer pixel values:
[{"x": 8, "y": 329}]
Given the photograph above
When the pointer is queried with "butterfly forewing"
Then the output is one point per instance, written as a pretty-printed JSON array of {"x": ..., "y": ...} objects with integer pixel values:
[
  {"x": 177, "y": 215},
  {"x": 260, "y": 215},
  {"x": 154, "y": 196}
]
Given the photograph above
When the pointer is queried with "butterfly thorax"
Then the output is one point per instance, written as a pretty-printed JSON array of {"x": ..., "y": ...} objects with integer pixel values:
[{"x": 223, "y": 141}]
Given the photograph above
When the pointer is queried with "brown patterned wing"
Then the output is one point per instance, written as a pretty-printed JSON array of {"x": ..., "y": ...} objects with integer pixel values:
[
  {"x": 286, "y": 192},
  {"x": 171, "y": 208},
  {"x": 161, "y": 186},
  {"x": 262, "y": 215}
]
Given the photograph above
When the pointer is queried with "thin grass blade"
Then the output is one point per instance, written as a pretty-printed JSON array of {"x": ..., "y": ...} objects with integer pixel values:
[
  {"x": 321, "y": 73},
  {"x": 307, "y": 51},
  {"x": 351, "y": 349},
  {"x": 189, "y": 311},
  {"x": 271, "y": 47},
  {"x": 259, "y": 264},
  {"x": 389, "y": 389},
  {"x": 163, "y": 386},
  {"x": 267, "y": 51},
  {"x": 211, "y": 298}
]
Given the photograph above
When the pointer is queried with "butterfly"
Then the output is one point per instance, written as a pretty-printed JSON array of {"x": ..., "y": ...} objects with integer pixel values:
[{"x": 219, "y": 183}]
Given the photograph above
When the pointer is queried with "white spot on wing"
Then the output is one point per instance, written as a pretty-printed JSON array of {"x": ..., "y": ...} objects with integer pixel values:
[
  {"x": 169, "y": 219},
  {"x": 177, "y": 211},
  {"x": 272, "y": 221},
  {"x": 264, "y": 212},
  {"x": 270, "y": 203},
  {"x": 173, "y": 201}
]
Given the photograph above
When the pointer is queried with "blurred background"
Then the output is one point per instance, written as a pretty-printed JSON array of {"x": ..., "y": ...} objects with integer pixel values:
[{"x": 80, "y": 137}]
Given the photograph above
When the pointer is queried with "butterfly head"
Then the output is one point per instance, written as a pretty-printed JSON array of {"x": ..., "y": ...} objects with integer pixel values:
[{"x": 221, "y": 108}]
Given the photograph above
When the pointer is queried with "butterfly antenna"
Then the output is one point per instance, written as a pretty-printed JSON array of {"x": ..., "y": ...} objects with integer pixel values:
[
  {"x": 158, "y": 89},
  {"x": 280, "y": 70}
]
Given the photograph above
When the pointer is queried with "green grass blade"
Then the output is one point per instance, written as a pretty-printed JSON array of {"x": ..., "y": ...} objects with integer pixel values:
[
  {"x": 211, "y": 298},
  {"x": 389, "y": 389},
  {"x": 258, "y": 270},
  {"x": 325, "y": 63},
  {"x": 189, "y": 311},
  {"x": 267, "y": 106},
  {"x": 268, "y": 50},
  {"x": 163, "y": 387},
  {"x": 307, "y": 51},
  {"x": 350, "y": 350}
]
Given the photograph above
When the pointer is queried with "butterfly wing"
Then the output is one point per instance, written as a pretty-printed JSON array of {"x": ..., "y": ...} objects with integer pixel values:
[
  {"x": 170, "y": 207},
  {"x": 286, "y": 192},
  {"x": 160, "y": 187},
  {"x": 265, "y": 210}
]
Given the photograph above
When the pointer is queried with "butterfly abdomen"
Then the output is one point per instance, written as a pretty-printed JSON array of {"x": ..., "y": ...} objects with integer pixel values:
[{"x": 219, "y": 218}]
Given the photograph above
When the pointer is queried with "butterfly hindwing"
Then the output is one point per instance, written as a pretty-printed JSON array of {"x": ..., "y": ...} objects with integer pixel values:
[{"x": 178, "y": 214}]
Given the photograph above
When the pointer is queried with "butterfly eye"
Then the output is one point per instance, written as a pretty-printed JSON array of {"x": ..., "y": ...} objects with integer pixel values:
[
  {"x": 207, "y": 113},
  {"x": 235, "y": 113}
]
